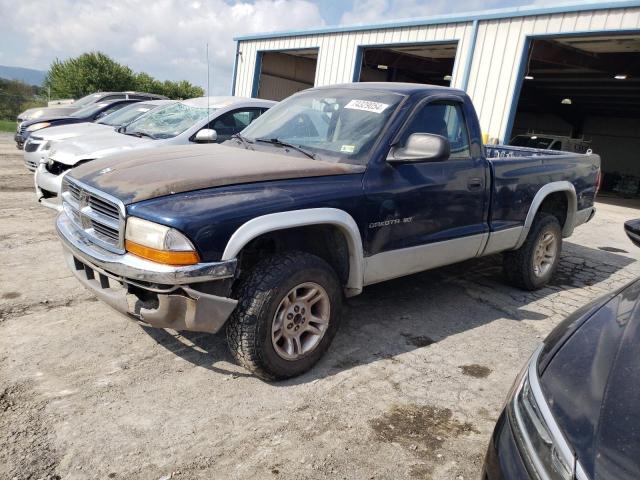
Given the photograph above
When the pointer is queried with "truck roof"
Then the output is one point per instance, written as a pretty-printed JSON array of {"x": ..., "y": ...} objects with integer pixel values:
[{"x": 395, "y": 87}]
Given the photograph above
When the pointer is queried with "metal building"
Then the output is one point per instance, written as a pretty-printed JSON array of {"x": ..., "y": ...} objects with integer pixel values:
[{"x": 570, "y": 70}]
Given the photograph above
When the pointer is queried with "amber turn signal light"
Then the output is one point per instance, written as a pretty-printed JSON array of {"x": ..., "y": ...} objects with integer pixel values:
[{"x": 162, "y": 256}]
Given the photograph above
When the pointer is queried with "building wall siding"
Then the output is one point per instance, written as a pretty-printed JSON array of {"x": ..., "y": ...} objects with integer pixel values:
[
  {"x": 497, "y": 59},
  {"x": 500, "y": 50},
  {"x": 338, "y": 51}
]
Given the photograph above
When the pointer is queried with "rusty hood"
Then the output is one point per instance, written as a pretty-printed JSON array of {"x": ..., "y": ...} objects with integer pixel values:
[{"x": 136, "y": 176}]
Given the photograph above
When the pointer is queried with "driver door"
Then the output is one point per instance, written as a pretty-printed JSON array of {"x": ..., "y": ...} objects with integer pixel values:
[{"x": 428, "y": 213}]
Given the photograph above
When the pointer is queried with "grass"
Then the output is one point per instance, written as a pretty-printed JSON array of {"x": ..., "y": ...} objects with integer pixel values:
[{"x": 7, "y": 125}]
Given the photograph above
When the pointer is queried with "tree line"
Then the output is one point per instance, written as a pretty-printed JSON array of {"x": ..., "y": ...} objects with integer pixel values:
[
  {"x": 82, "y": 75},
  {"x": 95, "y": 72}
]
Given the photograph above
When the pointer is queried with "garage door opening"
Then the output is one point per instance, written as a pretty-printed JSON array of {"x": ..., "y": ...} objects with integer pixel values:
[
  {"x": 418, "y": 63},
  {"x": 281, "y": 74},
  {"x": 583, "y": 92}
]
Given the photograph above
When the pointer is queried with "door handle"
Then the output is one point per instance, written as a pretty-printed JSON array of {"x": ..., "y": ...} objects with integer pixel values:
[{"x": 475, "y": 184}]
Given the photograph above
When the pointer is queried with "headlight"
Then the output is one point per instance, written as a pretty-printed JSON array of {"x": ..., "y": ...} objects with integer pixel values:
[
  {"x": 158, "y": 243},
  {"x": 46, "y": 146},
  {"x": 38, "y": 126},
  {"x": 540, "y": 440}
]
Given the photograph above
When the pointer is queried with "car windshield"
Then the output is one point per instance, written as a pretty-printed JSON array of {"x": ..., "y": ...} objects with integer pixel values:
[
  {"x": 531, "y": 141},
  {"x": 81, "y": 102},
  {"x": 89, "y": 110},
  {"x": 167, "y": 122},
  {"x": 126, "y": 115},
  {"x": 340, "y": 124}
]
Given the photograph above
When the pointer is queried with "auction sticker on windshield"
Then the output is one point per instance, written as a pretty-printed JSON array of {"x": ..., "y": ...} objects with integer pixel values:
[{"x": 367, "y": 106}]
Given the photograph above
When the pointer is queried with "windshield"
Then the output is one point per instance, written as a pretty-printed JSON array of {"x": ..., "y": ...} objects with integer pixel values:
[
  {"x": 532, "y": 141},
  {"x": 167, "y": 122},
  {"x": 341, "y": 123},
  {"x": 81, "y": 102},
  {"x": 126, "y": 115},
  {"x": 89, "y": 110}
]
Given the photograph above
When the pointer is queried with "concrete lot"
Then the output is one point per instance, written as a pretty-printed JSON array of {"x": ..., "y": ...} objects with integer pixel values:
[{"x": 411, "y": 387}]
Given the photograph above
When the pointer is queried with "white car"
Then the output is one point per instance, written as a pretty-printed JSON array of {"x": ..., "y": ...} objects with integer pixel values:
[
  {"x": 37, "y": 147},
  {"x": 198, "y": 120}
]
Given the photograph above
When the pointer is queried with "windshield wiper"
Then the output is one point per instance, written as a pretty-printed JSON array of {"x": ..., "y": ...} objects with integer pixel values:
[
  {"x": 139, "y": 134},
  {"x": 242, "y": 139},
  {"x": 276, "y": 141}
]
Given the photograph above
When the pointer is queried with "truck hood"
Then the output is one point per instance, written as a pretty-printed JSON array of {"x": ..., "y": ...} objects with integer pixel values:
[
  {"x": 97, "y": 145},
  {"x": 49, "y": 112},
  {"x": 69, "y": 131},
  {"x": 183, "y": 168}
]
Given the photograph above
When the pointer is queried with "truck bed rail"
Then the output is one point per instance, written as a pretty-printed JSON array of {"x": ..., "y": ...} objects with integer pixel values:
[{"x": 506, "y": 151}]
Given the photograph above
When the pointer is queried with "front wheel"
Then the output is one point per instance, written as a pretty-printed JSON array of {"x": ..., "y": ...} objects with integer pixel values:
[
  {"x": 287, "y": 315},
  {"x": 533, "y": 265}
]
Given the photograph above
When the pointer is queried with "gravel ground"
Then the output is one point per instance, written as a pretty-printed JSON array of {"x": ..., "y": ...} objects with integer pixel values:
[{"x": 410, "y": 388}]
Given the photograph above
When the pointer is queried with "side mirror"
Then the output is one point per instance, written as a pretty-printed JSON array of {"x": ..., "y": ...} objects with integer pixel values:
[
  {"x": 632, "y": 229},
  {"x": 206, "y": 135},
  {"x": 421, "y": 147}
]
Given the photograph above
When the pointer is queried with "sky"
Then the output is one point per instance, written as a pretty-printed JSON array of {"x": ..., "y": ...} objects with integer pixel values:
[{"x": 167, "y": 38}]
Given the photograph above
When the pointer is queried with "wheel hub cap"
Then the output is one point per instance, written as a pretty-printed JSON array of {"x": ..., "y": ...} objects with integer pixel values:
[
  {"x": 545, "y": 254},
  {"x": 300, "y": 321}
]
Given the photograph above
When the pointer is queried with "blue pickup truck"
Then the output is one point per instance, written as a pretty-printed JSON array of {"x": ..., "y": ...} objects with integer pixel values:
[{"x": 331, "y": 190}]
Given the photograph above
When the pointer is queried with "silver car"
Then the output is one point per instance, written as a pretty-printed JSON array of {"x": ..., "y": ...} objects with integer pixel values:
[
  {"x": 68, "y": 109},
  {"x": 198, "y": 120},
  {"x": 37, "y": 147}
]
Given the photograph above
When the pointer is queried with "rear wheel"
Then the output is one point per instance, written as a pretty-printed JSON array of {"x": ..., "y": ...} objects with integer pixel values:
[
  {"x": 532, "y": 265},
  {"x": 287, "y": 315}
]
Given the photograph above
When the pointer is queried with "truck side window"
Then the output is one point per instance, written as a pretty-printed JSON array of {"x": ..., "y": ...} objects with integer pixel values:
[{"x": 445, "y": 119}]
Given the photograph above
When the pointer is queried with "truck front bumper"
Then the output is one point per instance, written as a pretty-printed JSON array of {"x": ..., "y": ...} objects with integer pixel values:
[{"x": 160, "y": 295}]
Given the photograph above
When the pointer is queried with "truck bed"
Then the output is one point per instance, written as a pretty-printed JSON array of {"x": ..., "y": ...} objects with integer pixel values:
[{"x": 519, "y": 172}]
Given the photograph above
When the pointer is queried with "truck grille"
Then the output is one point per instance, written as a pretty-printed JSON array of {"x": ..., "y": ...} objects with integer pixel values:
[{"x": 97, "y": 214}]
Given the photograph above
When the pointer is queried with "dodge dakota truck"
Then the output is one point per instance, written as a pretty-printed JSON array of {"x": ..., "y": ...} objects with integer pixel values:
[{"x": 331, "y": 190}]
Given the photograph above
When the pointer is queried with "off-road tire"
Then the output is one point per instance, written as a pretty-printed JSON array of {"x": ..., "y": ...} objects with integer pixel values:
[
  {"x": 518, "y": 264},
  {"x": 259, "y": 294}
]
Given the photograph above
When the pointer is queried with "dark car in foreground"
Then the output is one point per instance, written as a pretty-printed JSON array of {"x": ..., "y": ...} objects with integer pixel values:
[{"x": 573, "y": 412}]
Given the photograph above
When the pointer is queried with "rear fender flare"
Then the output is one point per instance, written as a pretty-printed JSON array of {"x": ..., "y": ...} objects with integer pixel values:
[{"x": 544, "y": 192}]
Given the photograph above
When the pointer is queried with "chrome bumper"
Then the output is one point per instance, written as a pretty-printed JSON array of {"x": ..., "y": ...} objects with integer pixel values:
[
  {"x": 153, "y": 293},
  {"x": 132, "y": 267}
]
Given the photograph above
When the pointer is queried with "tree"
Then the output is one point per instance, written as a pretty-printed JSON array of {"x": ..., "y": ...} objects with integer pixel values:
[
  {"x": 95, "y": 72},
  {"x": 90, "y": 72}
]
